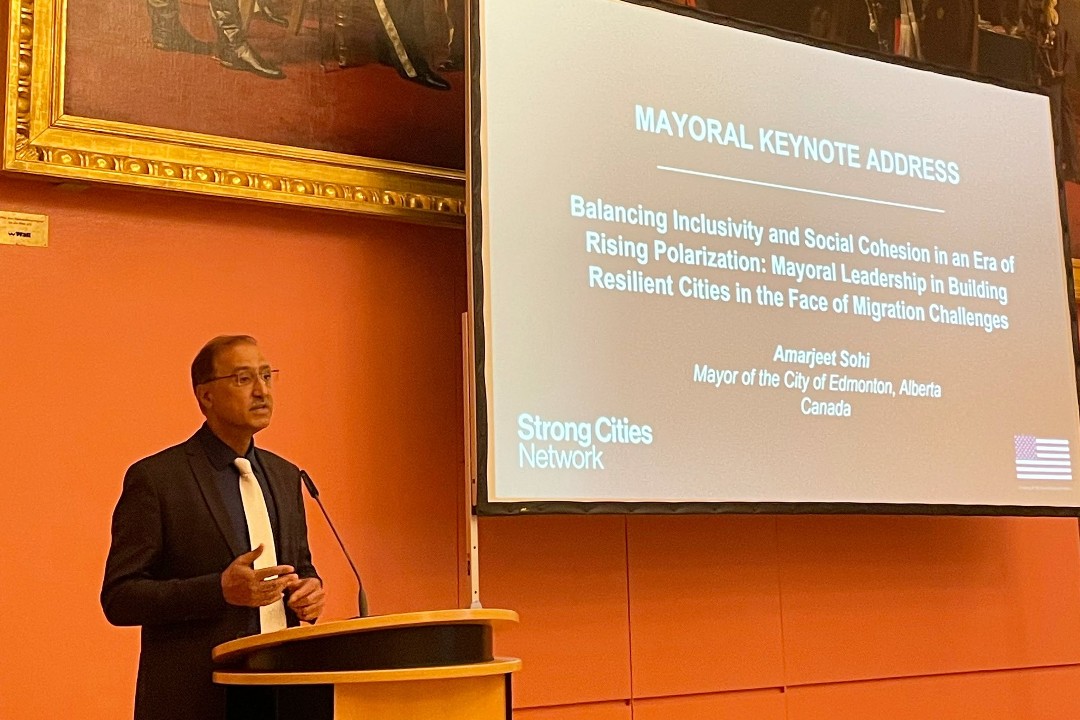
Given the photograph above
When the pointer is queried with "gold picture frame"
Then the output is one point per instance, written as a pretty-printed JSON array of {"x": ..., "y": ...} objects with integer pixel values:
[{"x": 39, "y": 138}]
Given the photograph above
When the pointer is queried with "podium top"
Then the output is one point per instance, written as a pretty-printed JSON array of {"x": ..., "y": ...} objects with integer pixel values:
[{"x": 237, "y": 650}]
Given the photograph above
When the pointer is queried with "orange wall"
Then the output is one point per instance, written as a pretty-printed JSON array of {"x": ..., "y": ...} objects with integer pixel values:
[
  {"x": 97, "y": 332},
  {"x": 796, "y": 617}
]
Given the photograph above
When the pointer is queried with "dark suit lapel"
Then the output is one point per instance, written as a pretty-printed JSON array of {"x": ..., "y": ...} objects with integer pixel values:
[{"x": 204, "y": 475}]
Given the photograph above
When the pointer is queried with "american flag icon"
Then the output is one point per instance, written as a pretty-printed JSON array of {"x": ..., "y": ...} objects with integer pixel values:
[{"x": 1042, "y": 458}]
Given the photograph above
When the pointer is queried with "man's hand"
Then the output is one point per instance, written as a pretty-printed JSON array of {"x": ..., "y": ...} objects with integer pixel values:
[
  {"x": 306, "y": 598},
  {"x": 243, "y": 585}
]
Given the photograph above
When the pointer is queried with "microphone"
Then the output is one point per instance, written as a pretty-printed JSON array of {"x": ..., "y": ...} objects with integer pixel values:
[{"x": 314, "y": 492}]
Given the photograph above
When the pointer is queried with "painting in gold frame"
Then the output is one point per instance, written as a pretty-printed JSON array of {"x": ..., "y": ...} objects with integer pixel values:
[{"x": 53, "y": 127}]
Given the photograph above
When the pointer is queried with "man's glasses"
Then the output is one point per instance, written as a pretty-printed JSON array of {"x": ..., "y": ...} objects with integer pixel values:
[{"x": 245, "y": 378}]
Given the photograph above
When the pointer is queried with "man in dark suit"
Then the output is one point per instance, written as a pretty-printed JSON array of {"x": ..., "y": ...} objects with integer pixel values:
[{"x": 182, "y": 564}]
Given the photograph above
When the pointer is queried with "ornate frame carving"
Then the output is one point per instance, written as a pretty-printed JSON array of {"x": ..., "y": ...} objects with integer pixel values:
[{"x": 39, "y": 138}]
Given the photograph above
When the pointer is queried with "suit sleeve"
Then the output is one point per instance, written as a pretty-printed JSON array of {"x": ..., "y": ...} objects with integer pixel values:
[
  {"x": 132, "y": 593},
  {"x": 304, "y": 566}
]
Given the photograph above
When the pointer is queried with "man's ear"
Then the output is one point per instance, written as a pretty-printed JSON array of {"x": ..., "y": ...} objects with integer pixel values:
[{"x": 204, "y": 394}]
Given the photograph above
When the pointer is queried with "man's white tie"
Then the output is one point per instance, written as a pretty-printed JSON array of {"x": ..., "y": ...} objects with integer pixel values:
[{"x": 271, "y": 617}]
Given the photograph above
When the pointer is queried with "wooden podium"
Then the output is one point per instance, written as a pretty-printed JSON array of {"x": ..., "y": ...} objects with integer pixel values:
[{"x": 390, "y": 667}]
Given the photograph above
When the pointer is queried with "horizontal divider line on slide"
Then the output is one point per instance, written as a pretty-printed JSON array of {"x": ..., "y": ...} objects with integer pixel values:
[{"x": 760, "y": 183}]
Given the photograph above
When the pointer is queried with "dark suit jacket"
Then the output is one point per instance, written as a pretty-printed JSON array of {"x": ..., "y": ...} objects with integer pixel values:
[{"x": 171, "y": 540}]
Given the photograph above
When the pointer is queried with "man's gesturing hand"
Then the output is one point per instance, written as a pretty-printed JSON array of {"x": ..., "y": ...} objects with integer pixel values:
[
  {"x": 306, "y": 598},
  {"x": 243, "y": 585}
]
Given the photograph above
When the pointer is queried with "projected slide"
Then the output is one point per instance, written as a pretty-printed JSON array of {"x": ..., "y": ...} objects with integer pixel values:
[{"x": 724, "y": 267}]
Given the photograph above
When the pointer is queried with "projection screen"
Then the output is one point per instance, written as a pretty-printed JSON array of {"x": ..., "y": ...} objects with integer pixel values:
[{"x": 721, "y": 270}]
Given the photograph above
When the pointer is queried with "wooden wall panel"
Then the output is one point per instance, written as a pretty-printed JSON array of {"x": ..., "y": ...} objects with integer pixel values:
[
  {"x": 590, "y": 711},
  {"x": 756, "y": 704},
  {"x": 1035, "y": 694},
  {"x": 704, "y": 604},
  {"x": 879, "y": 597},
  {"x": 566, "y": 577}
]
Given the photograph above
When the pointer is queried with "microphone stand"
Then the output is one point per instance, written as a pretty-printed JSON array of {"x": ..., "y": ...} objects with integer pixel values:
[{"x": 362, "y": 603}]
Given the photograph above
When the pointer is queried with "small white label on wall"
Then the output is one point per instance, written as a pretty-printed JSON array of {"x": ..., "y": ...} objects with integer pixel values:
[{"x": 24, "y": 229}]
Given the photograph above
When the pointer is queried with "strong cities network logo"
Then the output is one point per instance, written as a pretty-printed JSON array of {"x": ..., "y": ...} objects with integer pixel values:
[{"x": 547, "y": 444}]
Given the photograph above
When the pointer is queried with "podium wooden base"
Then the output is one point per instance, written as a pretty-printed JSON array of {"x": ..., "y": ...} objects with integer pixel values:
[{"x": 412, "y": 666}]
